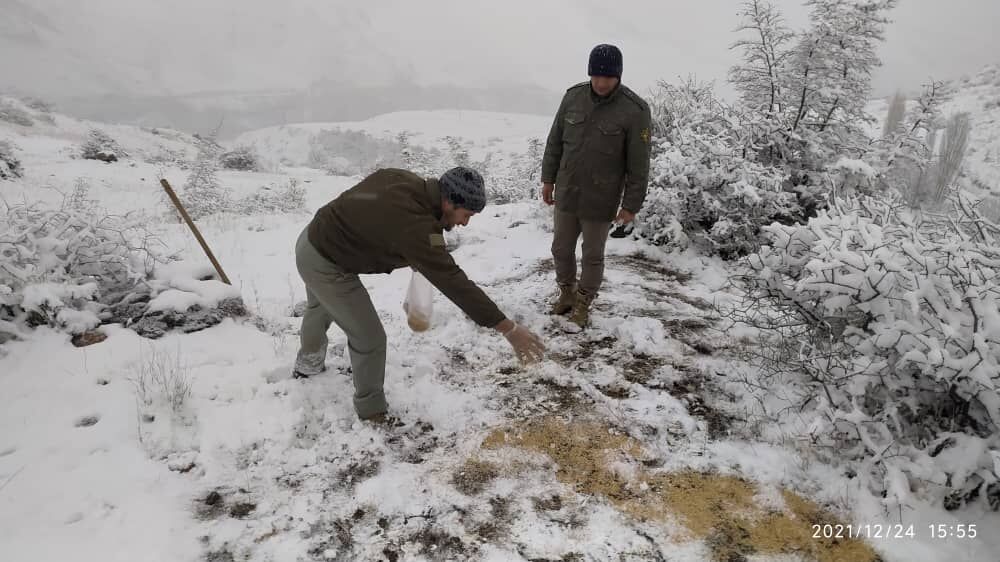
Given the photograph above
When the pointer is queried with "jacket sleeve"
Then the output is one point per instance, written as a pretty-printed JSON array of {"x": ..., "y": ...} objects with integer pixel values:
[
  {"x": 637, "y": 161},
  {"x": 422, "y": 244},
  {"x": 554, "y": 146}
]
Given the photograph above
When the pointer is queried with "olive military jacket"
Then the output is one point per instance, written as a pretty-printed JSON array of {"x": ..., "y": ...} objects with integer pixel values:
[
  {"x": 392, "y": 219},
  {"x": 597, "y": 153}
]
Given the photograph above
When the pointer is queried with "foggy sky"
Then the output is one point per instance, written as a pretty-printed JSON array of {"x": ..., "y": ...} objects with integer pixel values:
[{"x": 184, "y": 46}]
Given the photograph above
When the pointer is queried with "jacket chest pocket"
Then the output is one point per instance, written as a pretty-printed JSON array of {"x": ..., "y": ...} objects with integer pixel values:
[
  {"x": 573, "y": 127},
  {"x": 610, "y": 138}
]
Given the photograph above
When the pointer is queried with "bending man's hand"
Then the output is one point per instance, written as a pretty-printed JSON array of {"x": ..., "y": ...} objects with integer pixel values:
[{"x": 527, "y": 346}]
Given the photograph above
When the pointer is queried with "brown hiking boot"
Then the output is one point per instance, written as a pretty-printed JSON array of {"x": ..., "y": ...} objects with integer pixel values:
[
  {"x": 567, "y": 298},
  {"x": 581, "y": 310},
  {"x": 384, "y": 420}
]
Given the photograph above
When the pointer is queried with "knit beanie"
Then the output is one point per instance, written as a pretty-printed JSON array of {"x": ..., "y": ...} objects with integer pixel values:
[
  {"x": 605, "y": 60},
  {"x": 465, "y": 188}
]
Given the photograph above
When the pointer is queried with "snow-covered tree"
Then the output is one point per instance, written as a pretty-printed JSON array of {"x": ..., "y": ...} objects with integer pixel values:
[
  {"x": 805, "y": 93},
  {"x": 894, "y": 116},
  {"x": 203, "y": 195},
  {"x": 905, "y": 157},
  {"x": 953, "y": 147},
  {"x": 764, "y": 46},
  {"x": 831, "y": 68}
]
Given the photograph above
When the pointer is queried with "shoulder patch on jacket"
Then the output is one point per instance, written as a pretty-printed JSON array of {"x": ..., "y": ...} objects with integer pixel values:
[
  {"x": 436, "y": 239},
  {"x": 635, "y": 98}
]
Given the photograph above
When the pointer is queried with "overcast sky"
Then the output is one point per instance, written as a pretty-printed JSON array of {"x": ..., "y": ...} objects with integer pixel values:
[{"x": 190, "y": 45}]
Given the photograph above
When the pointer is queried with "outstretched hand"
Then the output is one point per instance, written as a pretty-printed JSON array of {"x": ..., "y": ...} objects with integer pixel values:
[{"x": 527, "y": 345}]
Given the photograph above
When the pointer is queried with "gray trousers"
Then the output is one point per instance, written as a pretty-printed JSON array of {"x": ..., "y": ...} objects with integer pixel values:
[
  {"x": 568, "y": 227},
  {"x": 336, "y": 296}
]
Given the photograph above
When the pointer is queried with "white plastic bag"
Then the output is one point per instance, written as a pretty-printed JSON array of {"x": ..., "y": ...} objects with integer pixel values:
[{"x": 419, "y": 303}]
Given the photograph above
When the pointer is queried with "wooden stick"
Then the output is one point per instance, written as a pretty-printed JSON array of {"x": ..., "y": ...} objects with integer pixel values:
[{"x": 194, "y": 229}]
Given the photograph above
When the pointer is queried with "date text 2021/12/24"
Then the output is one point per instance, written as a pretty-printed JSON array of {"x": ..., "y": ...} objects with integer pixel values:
[{"x": 896, "y": 531}]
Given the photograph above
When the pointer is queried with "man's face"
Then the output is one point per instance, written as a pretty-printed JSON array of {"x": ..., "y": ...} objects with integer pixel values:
[
  {"x": 452, "y": 215},
  {"x": 603, "y": 85}
]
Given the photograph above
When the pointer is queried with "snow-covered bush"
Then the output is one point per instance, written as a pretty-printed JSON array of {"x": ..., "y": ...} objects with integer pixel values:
[
  {"x": 884, "y": 324},
  {"x": 54, "y": 262},
  {"x": 364, "y": 152},
  {"x": 10, "y": 166},
  {"x": 100, "y": 146},
  {"x": 15, "y": 115},
  {"x": 417, "y": 159},
  {"x": 38, "y": 104},
  {"x": 705, "y": 188},
  {"x": 202, "y": 194},
  {"x": 514, "y": 176},
  {"x": 242, "y": 158},
  {"x": 167, "y": 157},
  {"x": 458, "y": 151},
  {"x": 288, "y": 198},
  {"x": 79, "y": 199},
  {"x": 851, "y": 176}
]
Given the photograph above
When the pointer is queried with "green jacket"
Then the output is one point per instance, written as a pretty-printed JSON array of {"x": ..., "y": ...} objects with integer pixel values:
[
  {"x": 392, "y": 219},
  {"x": 597, "y": 151}
]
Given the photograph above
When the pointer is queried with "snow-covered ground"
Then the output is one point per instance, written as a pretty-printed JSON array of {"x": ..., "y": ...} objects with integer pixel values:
[{"x": 595, "y": 454}]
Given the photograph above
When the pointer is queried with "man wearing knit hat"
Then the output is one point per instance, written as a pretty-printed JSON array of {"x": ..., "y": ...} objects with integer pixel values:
[
  {"x": 391, "y": 219},
  {"x": 595, "y": 170}
]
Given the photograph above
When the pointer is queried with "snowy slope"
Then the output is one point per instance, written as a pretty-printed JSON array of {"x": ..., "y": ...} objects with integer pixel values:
[
  {"x": 486, "y": 131},
  {"x": 979, "y": 96},
  {"x": 52, "y": 132},
  {"x": 257, "y": 466}
]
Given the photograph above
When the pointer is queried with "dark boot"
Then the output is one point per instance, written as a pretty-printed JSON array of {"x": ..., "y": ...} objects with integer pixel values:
[
  {"x": 567, "y": 298},
  {"x": 297, "y": 374}
]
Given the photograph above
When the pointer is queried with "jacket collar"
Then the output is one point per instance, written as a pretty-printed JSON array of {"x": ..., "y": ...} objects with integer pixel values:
[
  {"x": 433, "y": 191},
  {"x": 610, "y": 97}
]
